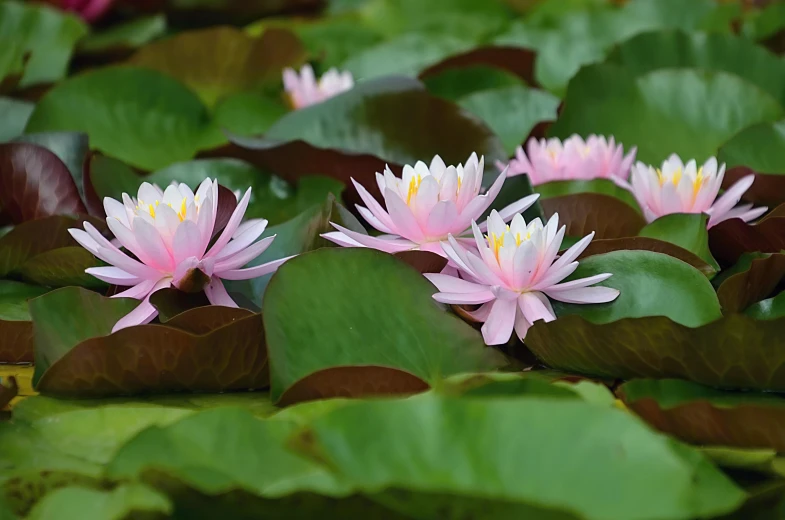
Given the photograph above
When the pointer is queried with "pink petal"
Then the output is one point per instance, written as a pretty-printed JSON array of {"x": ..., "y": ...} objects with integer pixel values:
[
  {"x": 186, "y": 242},
  {"x": 231, "y": 226},
  {"x": 85, "y": 240},
  {"x": 115, "y": 209},
  {"x": 522, "y": 325},
  {"x": 451, "y": 284},
  {"x": 525, "y": 264},
  {"x": 113, "y": 275},
  {"x": 253, "y": 272},
  {"x": 501, "y": 321},
  {"x": 388, "y": 246},
  {"x": 205, "y": 222},
  {"x": 243, "y": 257},
  {"x": 585, "y": 295},
  {"x": 477, "y": 206},
  {"x": 138, "y": 291},
  {"x": 216, "y": 293},
  {"x": 464, "y": 298},
  {"x": 118, "y": 259},
  {"x": 144, "y": 312},
  {"x": 444, "y": 219},
  {"x": 518, "y": 207},
  {"x": 730, "y": 198},
  {"x": 242, "y": 239},
  {"x": 580, "y": 282},
  {"x": 402, "y": 217},
  {"x": 374, "y": 207},
  {"x": 554, "y": 275},
  {"x": 533, "y": 307},
  {"x": 372, "y": 220},
  {"x": 457, "y": 255},
  {"x": 152, "y": 246},
  {"x": 342, "y": 240}
]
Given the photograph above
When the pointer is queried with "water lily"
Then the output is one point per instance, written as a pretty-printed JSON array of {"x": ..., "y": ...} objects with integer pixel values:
[
  {"x": 168, "y": 232},
  {"x": 304, "y": 90},
  {"x": 680, "y": 188},
  {"x": 513, "y": 275},
  {"x": 551, "y": 160},
  {"x": 425, "y": 205},
  {"x": 89, "y": 10}
]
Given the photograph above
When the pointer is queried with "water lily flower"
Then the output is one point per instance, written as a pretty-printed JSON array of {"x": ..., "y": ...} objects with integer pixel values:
[
  {"x": 676, "y": 188},
  {"x": 517, "y": 269},
  {"x": 425, "y": 205},
  {"x": 304, "y": 90},
  {"x": 89, "y": 10},
  {"x": 551, "y": 160},
  {"x": 168, "y": 232}
]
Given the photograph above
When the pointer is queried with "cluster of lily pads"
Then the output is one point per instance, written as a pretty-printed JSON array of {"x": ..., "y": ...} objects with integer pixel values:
[{"x": 392, "y": 258}]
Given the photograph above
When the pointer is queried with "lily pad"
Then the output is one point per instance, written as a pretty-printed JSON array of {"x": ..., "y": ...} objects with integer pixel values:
[
  {"x": 605, "y": 215},
  {"x": 47, "y": 34},
  {"x": 218, "y": 61},
  {"x": 137, "y": 115},
  {"x": 456, "y": 83},
  {"x": 14, "y": 115},
  {"x": 124, "y": 38},
  {"x": 16, "y": 331},
  {"x": 121, "y": 502},
  {"x": 354, "y": 134},
  {"x": 83, "y": 359},
  {"x": 754, "y": 280},
  {"x": 70, "y": 147},
  {"x": 374, "y": 327},
  {"x": 687, "y": 231},
  {"x": 515, "y": 60},
  {"x": 768, "y": 309},
  {"x": 512, "y": 112},
  {"x": 732, "y": 238},
  {"x": 551, "y": 189},
  {"x": 25, "y": 165},
  {"x": 706, "y": 416},
  {"x": 476, "y": 435},
  {"x": 598, "y": 247},
  {"x": 683, "y": 111}
]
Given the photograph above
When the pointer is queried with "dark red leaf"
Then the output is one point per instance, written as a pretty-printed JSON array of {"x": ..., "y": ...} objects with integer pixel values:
[
  {"x": 767, "y": 190},
  {"x": 227, "y": 203},
  {"x": 730, "y": 239},
  {"x": 35, "y": 183},
  {"x": 423, "y": 261},
  {"x": 516, "y": 60},
  {"x": 583, "y": 213}
]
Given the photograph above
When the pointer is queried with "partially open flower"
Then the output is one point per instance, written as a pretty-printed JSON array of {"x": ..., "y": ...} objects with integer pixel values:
[
  {"x": 168, "y": 232},
  {"x": 89, "y": 10},
  {"x": 305, "y": 90},
  {"x": 551, "y": 160},
  {"x": 516, "y": 271},
  {"x": 676, "y": 188},
  {"x": 426, "y": 205}
]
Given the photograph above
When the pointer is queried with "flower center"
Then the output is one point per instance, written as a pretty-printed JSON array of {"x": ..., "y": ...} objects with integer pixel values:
[
  {"x": 496, "y": 242},
  {"x": 414, "y": 185},
  {"x": 150, "y": 208}
]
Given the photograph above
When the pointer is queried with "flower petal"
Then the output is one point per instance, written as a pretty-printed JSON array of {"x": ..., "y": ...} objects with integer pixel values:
[
  {"x": 252, "y": 230},
  {"x": 534, "y": 308},
  {"x": 187, "y": 241},
  {"x": 254, "y": 272},
  {"x": 241, "y": 258},
  {"x": 216, "y": 293},
  {"x": 388, "y": 246},
  {"x": 152, "y": 246},
  {"x": 464, "y": 298},
  {"x": 402, "y": 217},
  {"x": 501, "y": 321},
  {"x": 114, "y": 275},
  {"x": 452, "y": 284},
  {"x": 144, "y": 312},
  {"x": 585, "y": 295},
  {"x": 231, "y": 226}
]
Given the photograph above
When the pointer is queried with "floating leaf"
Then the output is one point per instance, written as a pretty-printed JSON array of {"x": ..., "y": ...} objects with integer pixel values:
[
  {"x": 512, "y": 112},
  {"x": 123, "y": 501},
  {"x": 354, "y": 134},
  {"x": 25, "y": 166},
  {"x": 687, "y": 231},
  {"x": 705, "y": 416},
  {"x": 755, "y": 280},
  {"x": 477, "y": 435},
  {"x": 688, "y": 112},
  {"x": 551, "y": 189},
  {"x": 48, "y": 34},
  {"x": 769, "y": 309},
  {"x": 123, "y": 38},
  {"x": 16, "y": 331},
  {"x": 515, "y": 60},
  {"x": 14, "y": 115},
  {"x": 82, "y": 359},
  {"x": 137, "y": 115},
  {"x": 70, "y": 147},
  {"x": 454, "y": 84},
  {"x": 249, "y": 113},
  {"x": 371, "y": 328},
  {"x": 218, "y": 61},
  {"x": 732, "y": 238},
  {"x": 605, "y": 215}
]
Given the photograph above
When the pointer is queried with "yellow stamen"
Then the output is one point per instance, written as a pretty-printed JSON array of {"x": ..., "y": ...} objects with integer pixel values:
[
  {"x": 675, "y": 179},
  {"x": 414, "y": 185},
  {"x": 183, "y": 210},
  {"x": 152, "y": 208},
  {"x": 698, "y": 183}
]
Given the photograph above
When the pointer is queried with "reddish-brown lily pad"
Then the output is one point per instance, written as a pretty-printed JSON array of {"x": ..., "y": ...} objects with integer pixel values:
[
  {"x": 735, "y": 351},
  {"x": 35, "y": 183},
  {"x": 583, "y": 213},
  {"x": 706, "y": 416},
  {"x": 354, "y": 134},
  {"x": 755, "y": 282},
  {"x": 516, "y": 60},
  {"x": 77, "y": 355},
  {"x": 16, "y": 331},
  {"x": 423, "y": 261},
  {"x": 730, "y": 239},
  {"x": 767, "y": 190},
  {"x": 219, "y": 61}
]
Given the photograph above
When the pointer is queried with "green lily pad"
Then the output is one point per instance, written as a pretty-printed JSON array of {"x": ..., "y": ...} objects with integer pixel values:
[
  {"x": 768, "y": 309},
  {"x": 249, "y": 113},
  {"x": 512, "y": 112},
  {"x": 16, "y": 331},
  {"x": 14, "y": 114},
  {"x": 552, "y": 189},
  {"x": 476, "y": 435},
  {"x": 381, "y": 330},
  {"x": 706, "y": 416},
  {"x": 456, "y": 83},
  {"x": 218, "y": 61},
  {"x": 125, "y": 37},
  {"x": 77, "y": 356},
  {"x": 137, "y": 115},
  {"x": 48, "y": 34},
  {"x": 683, "y": 111},
  {"x": 121, "y": 502},
  {"x": 687, "y": 231}
]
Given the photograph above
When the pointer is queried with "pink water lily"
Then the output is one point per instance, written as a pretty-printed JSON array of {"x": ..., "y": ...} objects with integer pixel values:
[
  {"x": 425, "y": 205},
  {"x": 513, "y": 275},
  {"x": 89, "y": 10},
  {"x": 680, "y": 188},
  {"x": 304, "y": 90},
  {"x": 169, "y": 232},
  {"x": 551, "y": 160}
]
